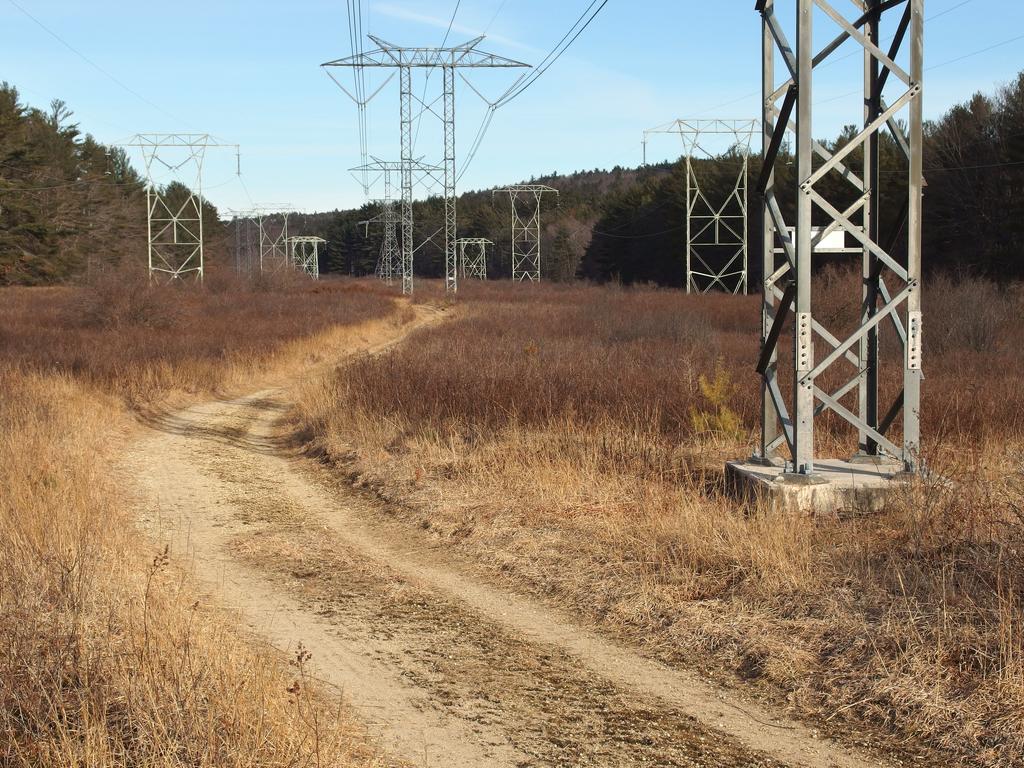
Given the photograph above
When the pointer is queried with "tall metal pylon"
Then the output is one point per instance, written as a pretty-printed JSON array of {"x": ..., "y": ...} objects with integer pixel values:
[
  {"x": 473, "y": 265},
  {"x": 175, "y": 229},
  {"x": 449, "y": 60},
  {"x": 392, "y": 261},
  {"x": 305, "y": 254},
  {"x": 717, "y": 248},
  {"x": 526, "y": 246},
  {"x": 273, "y": 238},
  {"x": 891, "y": 290},
  {"x": 246, "y": 240},
  {"x": 389, "y": 262}
]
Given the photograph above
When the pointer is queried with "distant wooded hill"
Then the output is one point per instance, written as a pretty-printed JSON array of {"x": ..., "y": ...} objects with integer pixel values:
[
  {"x": 629, "y": 224},
  {"x": 68, "y": 203}
]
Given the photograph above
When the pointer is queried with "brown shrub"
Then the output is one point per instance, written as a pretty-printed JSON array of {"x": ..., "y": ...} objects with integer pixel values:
[
  {"x": 116, "y": 302},
  {"x": 143, "y": 340}
]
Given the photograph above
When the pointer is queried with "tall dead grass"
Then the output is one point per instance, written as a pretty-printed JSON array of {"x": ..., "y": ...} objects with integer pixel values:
[
  {"x": 144, "y": 341},
  {"x": 108, "y": 654},
  {"x": 552, "y": 433}
]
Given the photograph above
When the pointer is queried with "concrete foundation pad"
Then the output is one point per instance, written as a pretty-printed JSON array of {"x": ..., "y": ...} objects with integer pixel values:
[{"x": 836, "y": 487}]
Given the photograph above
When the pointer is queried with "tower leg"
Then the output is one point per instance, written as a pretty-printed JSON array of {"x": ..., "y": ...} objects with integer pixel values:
[
  {"x": 407, "y": 234},
  {"x": 450, "y": 224}
]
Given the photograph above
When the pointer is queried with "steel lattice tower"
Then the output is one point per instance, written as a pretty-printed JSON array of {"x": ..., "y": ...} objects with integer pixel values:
[
  {"x": 389, "y": 262},
  {"x": 392, "y": 261},
  {"x": 526, "y": 245},
  {"x": 473, "y": 264},
  {"x": 717, "y": 250},
  {"x": 448, "y": 59},
  {"x": 891, "y": 280},
  {"x": 175, "y": 232},
  {"x": 305, "y": 254},
  {"x": 246, "y": 240},
  {"x": 273, "y": 239},
  {"x": 390, "y": 250}
]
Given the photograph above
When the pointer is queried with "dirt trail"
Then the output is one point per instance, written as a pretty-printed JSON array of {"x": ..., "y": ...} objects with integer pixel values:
[{"x": 448, "y": 670}]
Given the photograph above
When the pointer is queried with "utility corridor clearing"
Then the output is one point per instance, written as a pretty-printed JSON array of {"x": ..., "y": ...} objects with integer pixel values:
[{"x": 447, "y": 669}]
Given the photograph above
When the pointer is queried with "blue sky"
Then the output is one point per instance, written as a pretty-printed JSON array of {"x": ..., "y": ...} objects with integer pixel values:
[{"x": 248, "y": 72}]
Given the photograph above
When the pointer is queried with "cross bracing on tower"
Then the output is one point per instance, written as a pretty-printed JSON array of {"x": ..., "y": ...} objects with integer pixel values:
[
  {"x": 175, "y": 237},
  {"x": 448, "y": 59},
  {"x": 246, "y": 241},
  {"x": 389, "y": 262},
  {"x": 305, "y": 254},
  {"x": 392, "y": 261},
  {"x": 717, "y": 249},
  {"x": 473, "y": 257},
  {"x": 838, "y": 369},
  {"x": 526, "y": 230},
  {"x": 272, "y": 226}
]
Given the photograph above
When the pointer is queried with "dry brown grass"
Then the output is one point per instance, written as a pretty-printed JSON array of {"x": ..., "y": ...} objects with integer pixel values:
[
  {"x": 144, "y": 342},
  {"x": 551, "y": 432},
  {"x": 108, "y": 654}
]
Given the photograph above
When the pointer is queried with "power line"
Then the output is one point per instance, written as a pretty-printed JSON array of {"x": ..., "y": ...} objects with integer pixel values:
[
  {"x": 103, "y": 183},
  {"x": 556, "y": 53},
  {"x": 940, "y": 14},
  {"x": 355, "y": 32},
  {"x": 494, "y": 18},
  {"x": 526, "y": 81},
  {"x": 976, "y": 53},
  {"x": 951, "y": 168},
  {"x": 937, "y": 66},
  {"x": 639, "y": 237},
  {"x": 478, "y": 141},
  {"x": 93, "y": 64},
  {"x": 829, "y": 62},
  {"x": 80, "y": 183},
  {"x": 426, "y": 82},
  {"x": 451, "y": 23},
  {"x": 927, "y": 171}
]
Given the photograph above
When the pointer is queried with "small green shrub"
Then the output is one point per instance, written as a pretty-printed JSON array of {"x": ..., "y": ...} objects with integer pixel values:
[{"x": 717, "y": 418}]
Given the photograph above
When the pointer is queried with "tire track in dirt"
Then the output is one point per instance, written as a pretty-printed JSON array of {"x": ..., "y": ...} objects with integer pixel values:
[{"x": 446, "y": 669}]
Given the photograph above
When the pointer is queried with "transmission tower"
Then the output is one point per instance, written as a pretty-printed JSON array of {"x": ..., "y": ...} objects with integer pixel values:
[
  {"x": 449, "y": 60},
  {"x": 273, "y": 238},
  {"x": 526, "y": 229},
  {"x": 474, "y": 264},
  {"x": 175, "y": 227},
  {"x": 246, "y": 240},
  {"x": 850, "y": 366},
  {"x": 717, "y": 249},
  {"x": 305, "y": 254},
  {"x": 389, "y": 262},
  {"x": 392, "y": 261}
]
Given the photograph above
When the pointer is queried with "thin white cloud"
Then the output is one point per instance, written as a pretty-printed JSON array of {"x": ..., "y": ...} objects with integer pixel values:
[{"x": 406, "y": 14}]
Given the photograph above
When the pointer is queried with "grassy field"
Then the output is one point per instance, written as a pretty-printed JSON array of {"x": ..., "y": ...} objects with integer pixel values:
[
  {"x": 147, "y": 344},
  {"x": 573, "y": 438},
  {"x": 108, "y": 654}
]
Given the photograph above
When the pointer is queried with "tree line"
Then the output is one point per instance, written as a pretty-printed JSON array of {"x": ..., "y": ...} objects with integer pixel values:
[
  {"x": 69, "y": 204},
  {"x": 65, "y": 199},
  {"x": 628, "y": 225},
  {"x": 973, "y": 211}
]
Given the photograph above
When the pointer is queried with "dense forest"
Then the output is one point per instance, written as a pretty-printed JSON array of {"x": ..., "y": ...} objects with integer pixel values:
[
  {"x": 66, "y": 201},
  {"x": 68, "y": 204}
]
